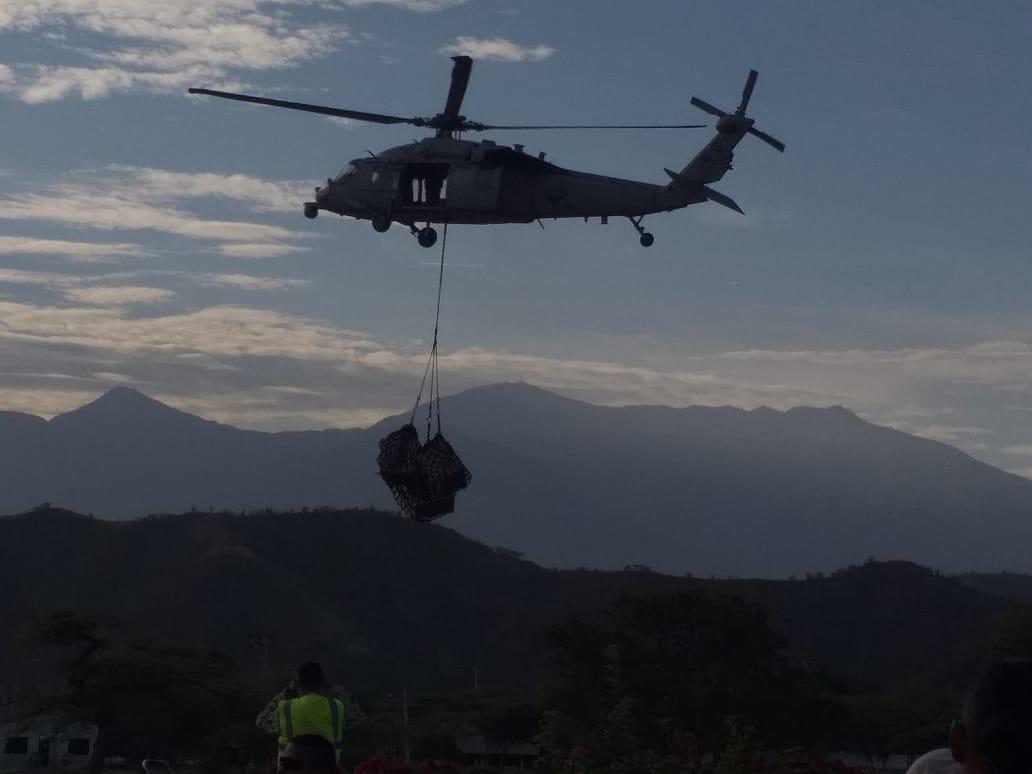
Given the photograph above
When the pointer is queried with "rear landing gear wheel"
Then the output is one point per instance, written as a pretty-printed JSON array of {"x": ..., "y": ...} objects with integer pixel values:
[
  {"x": 311, "y": 210},
  {"x": 644, "y": 236},
  {"x": 427, "y": 237},
  {"x": 381, "y": 223}
]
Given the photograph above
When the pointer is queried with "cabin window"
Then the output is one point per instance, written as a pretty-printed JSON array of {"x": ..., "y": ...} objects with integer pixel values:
[
  {"x": 350, "y": 169},
  {"x": 427, "y": 185},
  {"x": 78, "y": 746},
  {"x": 16, "y": 745}
]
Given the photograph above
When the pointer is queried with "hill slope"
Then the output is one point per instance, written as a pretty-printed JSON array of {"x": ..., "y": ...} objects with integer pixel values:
[
  {"x": 706, "y": 490},
  {"x": 388, "y": 602}
]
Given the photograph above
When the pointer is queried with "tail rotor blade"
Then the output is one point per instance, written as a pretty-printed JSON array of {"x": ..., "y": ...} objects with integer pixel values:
[
  {"x": 707, "y": 107},
  {"x": 750, "y": 84},
  {"x": 776, "y": 144}
]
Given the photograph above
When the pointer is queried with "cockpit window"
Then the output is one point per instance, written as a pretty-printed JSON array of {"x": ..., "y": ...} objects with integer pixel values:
[{"x": 350, "y": 169}]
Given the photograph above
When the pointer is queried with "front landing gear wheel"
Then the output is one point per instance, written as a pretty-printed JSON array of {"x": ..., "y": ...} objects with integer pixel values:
[
  {"x": 381, "y": 223},
  {"x": 647, "y": 239},
  {"x": 311, "y": 210},
  {"x": 427, "y": 237}
]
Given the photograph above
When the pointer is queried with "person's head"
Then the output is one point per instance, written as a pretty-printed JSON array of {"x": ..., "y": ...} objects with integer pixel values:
[
  {"x": 308, "y": 754},
  {"x": 310, "y": 677},
  {"x": 993, "y": 733}
]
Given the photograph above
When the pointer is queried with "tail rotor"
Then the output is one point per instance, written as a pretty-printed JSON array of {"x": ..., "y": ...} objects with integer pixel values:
[{"x": 738, "y": 121}]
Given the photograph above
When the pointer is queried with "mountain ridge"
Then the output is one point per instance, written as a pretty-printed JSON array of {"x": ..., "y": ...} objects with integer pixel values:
[{"x": 708, "y": 490}]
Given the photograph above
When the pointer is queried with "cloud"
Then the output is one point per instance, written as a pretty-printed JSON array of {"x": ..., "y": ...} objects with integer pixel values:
[
  {"x": 249, "y": 281},
  {"x": 139, "y": 198},
  {"x": 162, "y": 46},
  {"x": 119, "y": 296},
  {"x": 118, "y": 211},
  {"x": 42, "y": 278},
  {"x": 45, "y": 401},
  {"x": 76, "y": 251},
  {"x": 158, "y": 185},
  {"x": 497, "y": 49},
  {"x": 260, "y": 250},
  {"x": 237, "y": 281},
  {"x": 1023, "y": 450},
  {"x": 127, "y": 199},
  {"x": 1000, "y": 363},
  {"x": 422, "y": 6},
  {"x": 951, "y": 434},
  {"x": 219, "y": 330}
]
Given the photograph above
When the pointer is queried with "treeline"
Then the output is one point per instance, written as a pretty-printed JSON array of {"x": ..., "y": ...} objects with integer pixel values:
[{"x": 649, "y": 684}]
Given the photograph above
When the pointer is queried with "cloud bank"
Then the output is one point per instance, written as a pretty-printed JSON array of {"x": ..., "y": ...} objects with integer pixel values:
[{"x": 160, "y": 45}]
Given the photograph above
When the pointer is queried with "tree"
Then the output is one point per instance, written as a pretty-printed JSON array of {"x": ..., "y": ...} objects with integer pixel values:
[
  {"x": 146, "y": 698},
  {"x": 656, "y": 671},
  {"x": 1013, "y": 636},
  {"x": 81, "y": 641}
]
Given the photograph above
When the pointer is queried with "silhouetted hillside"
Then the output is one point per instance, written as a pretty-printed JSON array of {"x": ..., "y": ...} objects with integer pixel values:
[
  {"x": 1007, "y": 585},
  {"x": 388, "y": 602},
  {"x": 707, "y": 490}
]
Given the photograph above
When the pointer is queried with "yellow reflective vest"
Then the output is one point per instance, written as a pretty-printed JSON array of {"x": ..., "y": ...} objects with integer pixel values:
[{"x": 312, "y": 714}]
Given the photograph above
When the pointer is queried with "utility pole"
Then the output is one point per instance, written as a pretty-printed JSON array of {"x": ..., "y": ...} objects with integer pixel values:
[{"x": 404, "y": 720}]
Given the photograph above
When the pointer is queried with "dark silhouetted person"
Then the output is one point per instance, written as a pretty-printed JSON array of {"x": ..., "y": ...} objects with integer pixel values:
[
  {"x": 938, "y": 761},
  {"x": 303, "y": 709},
  {"x": 308, "y": 754},
  {"x": 994, "y": 733}
]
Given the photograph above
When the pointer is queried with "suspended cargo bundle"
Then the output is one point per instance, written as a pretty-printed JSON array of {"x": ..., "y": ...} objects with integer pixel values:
[
  {"x": 424, "y": 477},
  {"x": 397, "y": 457},
  {"x": 441, "y": 469}
]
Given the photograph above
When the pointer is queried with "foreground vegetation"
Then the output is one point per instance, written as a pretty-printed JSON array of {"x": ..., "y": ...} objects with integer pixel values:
[
  {"x": 654, "y": 684},
  {"x": 625, "y": 671}
]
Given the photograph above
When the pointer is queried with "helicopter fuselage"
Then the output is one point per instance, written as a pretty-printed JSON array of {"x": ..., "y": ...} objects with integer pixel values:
[{"x": 446, "y": 180}]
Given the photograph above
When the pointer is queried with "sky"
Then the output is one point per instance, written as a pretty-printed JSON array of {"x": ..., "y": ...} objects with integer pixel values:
[{"x": 155, "y": 239}]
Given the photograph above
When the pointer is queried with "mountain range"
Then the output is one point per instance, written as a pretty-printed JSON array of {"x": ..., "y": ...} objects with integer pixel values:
[{"x": 702, "y": 490}]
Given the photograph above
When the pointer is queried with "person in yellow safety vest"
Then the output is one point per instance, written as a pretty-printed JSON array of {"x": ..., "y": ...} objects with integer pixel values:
[{"x": 302, "y": 709}]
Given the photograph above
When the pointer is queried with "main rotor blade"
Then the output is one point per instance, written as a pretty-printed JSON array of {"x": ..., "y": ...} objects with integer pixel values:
[
  {"x": 459, "y": 82},
  {"x": 483, "y": 127},
  {"x": 750, "y": 84},
  {"x": 707, "y": 107},
  {"x": 357, "y": 115},
  {"x": 776, "y": 144}
]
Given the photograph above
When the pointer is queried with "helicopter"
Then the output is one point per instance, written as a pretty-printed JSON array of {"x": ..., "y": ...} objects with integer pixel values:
[{"x": 444, "y": 179}]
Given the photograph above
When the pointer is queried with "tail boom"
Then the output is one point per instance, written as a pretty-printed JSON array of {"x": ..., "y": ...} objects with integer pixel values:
[{"x": 714, "y": 160}]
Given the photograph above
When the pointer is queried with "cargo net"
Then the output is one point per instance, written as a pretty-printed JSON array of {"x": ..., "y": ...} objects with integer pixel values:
[{"x": 424, "y": 477}]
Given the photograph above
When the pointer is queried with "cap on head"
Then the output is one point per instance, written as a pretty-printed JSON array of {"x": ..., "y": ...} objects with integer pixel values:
[
  {"x": 310, "y": 676},
  {"x": 997, "y": 717}
]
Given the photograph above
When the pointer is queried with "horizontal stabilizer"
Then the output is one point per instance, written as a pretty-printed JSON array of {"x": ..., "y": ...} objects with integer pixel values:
[
  {"x": 719, "y": 198},
  {"x": 677, "y": 177}
]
